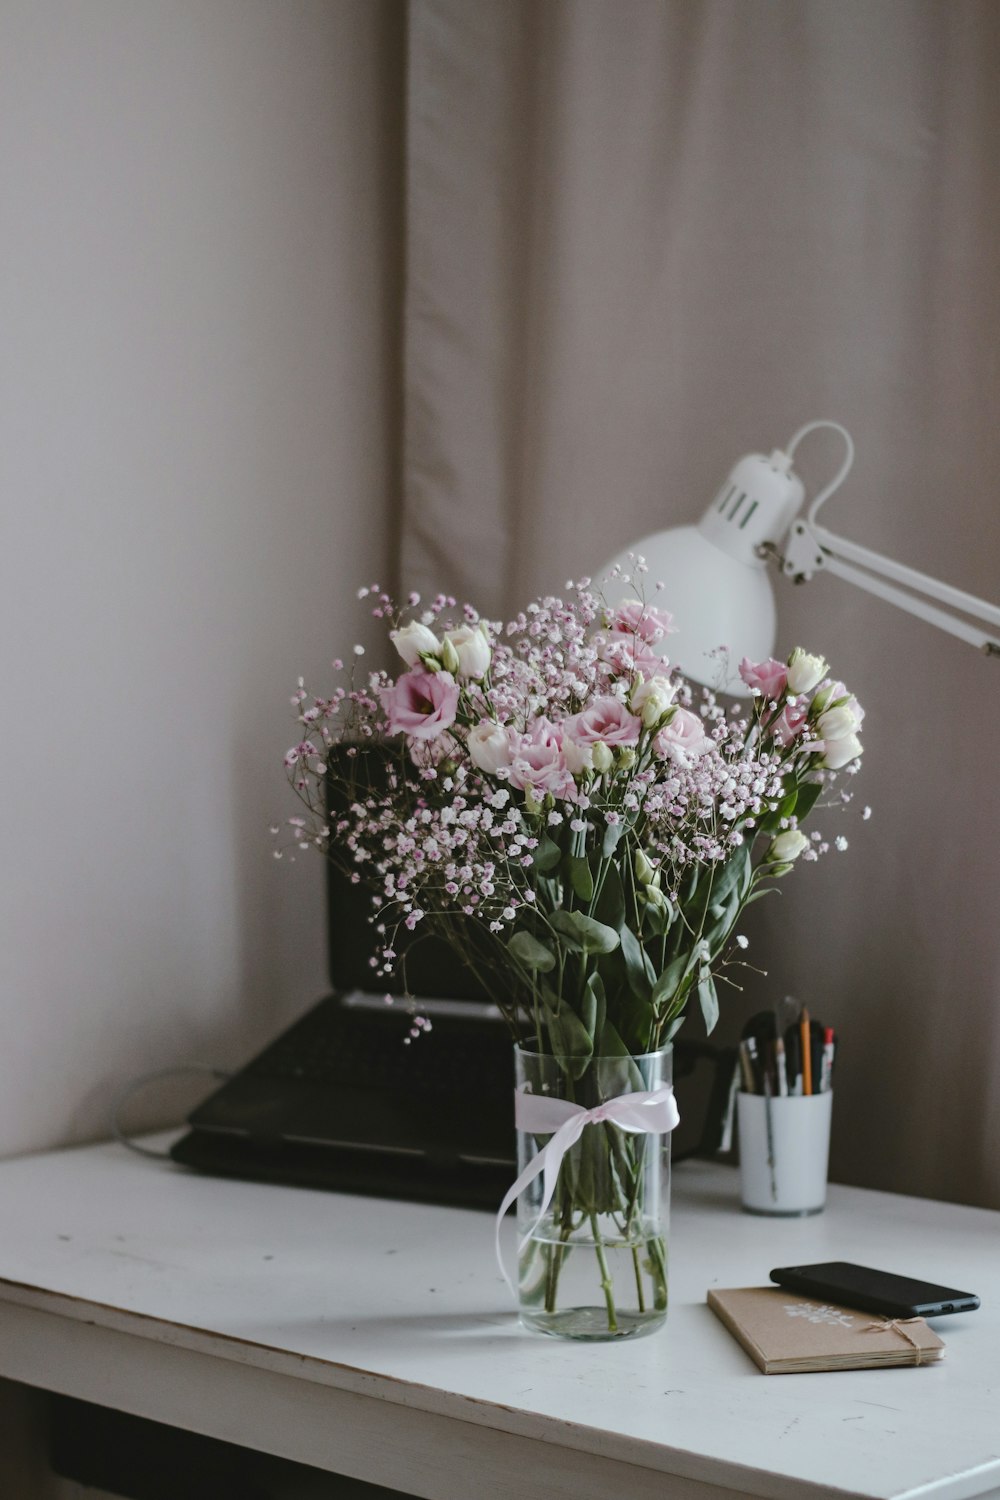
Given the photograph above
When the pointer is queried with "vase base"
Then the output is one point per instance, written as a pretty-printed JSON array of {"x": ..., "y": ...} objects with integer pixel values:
[{"x": 589, "y": 1325}]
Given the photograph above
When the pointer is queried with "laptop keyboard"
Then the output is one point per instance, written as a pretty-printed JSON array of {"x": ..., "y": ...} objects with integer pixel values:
[{"x": 340, "y": 1049}]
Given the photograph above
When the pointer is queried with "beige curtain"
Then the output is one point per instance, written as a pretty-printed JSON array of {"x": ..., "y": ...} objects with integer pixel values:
[{"x": 647, "y": 236}]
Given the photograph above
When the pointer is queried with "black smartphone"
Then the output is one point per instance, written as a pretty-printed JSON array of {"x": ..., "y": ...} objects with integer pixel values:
[{"x": 874, "y": 1291}]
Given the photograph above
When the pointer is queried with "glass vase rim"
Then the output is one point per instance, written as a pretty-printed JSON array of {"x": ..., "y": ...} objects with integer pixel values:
[{"x": 530, "y": 1048}]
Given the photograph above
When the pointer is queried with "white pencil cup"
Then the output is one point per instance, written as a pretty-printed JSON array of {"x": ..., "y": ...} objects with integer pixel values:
[{"x": 784, "y": 1151}]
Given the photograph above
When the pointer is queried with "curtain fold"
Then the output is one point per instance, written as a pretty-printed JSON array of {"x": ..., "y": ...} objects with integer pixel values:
[{"x": 647, "y": 236}]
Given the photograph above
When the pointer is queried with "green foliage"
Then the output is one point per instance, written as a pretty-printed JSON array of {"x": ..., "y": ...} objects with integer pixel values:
[
  {"x": 570, "y": 1040},
  {"x": 580, "y": 877},
  {"x": 547, "y": 856},
  {"x": 708, "y": 1000},
  {"x": 530, "y": 953},
  {"x": 582, "y": 934},
  {"x": 610, "y": 907}
]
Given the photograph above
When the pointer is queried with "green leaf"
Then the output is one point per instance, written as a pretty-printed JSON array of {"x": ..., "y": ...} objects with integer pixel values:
[
  {"x": 673, "y": 1029},
  {"x": 531, "y": 953},
  {"x": 582, "y": 934},
  {"x": 655, "y": 920},
  {"x": 807, "y": 799},
  {"x": 610, "y": 908},
  {"x": 570, "y": 1039},
  {"x": 594, "y": 1009},
  {"x": 612, "y": 835},
  {"x": 732, "y": 876},
  {"x": 641, "y": 974},
  {"x": 764, "y": 890},
  {"x": 580, "y": 877},
  {"x": 708, "y": 1000},
  {"x": 667, "y": 985},
  {"x": 616, "y": 1072},
  {"x": 546, "y": 856},
  {"x": 717, "y": 930},
  {"x": 589, "y": 1166}
]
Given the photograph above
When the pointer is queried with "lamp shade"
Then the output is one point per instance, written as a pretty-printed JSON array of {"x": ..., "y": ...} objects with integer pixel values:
[{"x": 715, "y": 582}]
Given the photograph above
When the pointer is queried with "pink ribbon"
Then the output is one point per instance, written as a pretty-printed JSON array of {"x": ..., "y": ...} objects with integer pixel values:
[{"x": 640, "y": 1113}]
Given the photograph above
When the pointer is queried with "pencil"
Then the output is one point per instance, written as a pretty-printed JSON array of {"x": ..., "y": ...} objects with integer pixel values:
[{"x": 807, "y": 1072}]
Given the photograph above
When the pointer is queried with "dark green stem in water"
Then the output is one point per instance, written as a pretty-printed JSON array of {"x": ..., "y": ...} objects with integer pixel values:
[
  {"x": 637, "y": 1266},
  {"x": 556, "y": 1254},
  {"x": 606, "y": 1282}
]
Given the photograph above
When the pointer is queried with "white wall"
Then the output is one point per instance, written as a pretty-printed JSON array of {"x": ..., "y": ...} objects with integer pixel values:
[
  {"x": 196, "y": 376},
  {"x": 197, "y": 290}
]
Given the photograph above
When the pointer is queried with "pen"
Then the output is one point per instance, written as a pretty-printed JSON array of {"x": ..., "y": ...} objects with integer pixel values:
[
  {"x": 826, "y": 1072},
  {"x": 769, "y": 1126},
  {"x": 726, "y": 1140},
  {"x": 781, "y": 1067},
  {"x": 746, "y": 1068},
  {"x": 807, "y": 1082}
]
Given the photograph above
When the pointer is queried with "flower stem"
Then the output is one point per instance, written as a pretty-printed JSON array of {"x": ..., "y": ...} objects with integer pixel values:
[
  {"x": 606, "y": 1282},
  {"x": 640, "y": 1297},
  {"x": 556, "y": 1254}
]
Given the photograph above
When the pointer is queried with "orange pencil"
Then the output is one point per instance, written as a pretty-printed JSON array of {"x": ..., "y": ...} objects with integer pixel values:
[{"x": 805, "y": 1033}]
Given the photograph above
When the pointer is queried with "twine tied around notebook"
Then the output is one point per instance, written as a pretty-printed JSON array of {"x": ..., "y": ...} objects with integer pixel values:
[{"x": 895, "y": 1325}]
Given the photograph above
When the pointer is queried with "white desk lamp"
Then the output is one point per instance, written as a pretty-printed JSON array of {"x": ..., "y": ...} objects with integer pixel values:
[{"x": 715, "y": 573}]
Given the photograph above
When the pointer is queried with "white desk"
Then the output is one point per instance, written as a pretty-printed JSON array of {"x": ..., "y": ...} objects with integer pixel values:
[{"x": 376, "y": 1339}]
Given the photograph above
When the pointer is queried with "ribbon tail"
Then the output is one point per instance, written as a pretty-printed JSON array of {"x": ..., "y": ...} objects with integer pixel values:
[
  {"x": 529, "y": 1174},
  {"x": 549, "y": 1160}
]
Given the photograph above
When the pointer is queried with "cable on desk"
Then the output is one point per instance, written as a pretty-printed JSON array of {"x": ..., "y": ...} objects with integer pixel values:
[{"x": 133, "y": 1087}]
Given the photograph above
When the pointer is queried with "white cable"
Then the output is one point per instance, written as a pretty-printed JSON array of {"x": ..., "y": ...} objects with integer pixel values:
[
  {"x": 133, "y": 1088},
  {"x": 842, "y": 472}
]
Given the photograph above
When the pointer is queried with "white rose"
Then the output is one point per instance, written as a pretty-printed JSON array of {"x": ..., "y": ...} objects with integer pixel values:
[
  {"x": 414, "y": 641},
  {"x": 787, "y": 846},
  {"x": 472, "y": 650},
  {"x": 840, "y": 722},
  {"x": 603, "y": 756},
  {"x": 838, "y": 752},
  {"x": 488, "y": 745},
  {"x": 579, "y": 758},
  {"x": 652, "y": 699},
  {"x": 804, "y": 671}
]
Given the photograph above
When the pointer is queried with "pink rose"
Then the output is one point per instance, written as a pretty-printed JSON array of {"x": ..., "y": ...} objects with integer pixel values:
[
  {"x": 789, "y": 724},
  {"x": 769, "y": 677},
  {"x": 420, "y": 704},
  {"x": 625, "y": 653},
  {"x": 633, "y": 629},
  {"x": 683, "y": 740},
  {"x": 607, "y": 720},
  {"x": 642, "y": 620},
  {"x": 539, "y": 763}
]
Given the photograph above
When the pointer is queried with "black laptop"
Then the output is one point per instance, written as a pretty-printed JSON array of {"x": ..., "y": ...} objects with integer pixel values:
[{"x": 348, "y": 1099}]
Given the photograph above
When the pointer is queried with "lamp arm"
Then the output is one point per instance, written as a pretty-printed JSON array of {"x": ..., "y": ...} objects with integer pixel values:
[{"x": 810, "y": 547}]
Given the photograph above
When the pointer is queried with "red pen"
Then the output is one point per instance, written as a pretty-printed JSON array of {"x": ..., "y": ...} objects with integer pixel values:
[{"x": 826, "y": 1066}]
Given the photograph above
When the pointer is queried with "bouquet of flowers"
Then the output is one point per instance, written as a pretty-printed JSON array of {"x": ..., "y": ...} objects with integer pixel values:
[{"x": 584, "y": 826}]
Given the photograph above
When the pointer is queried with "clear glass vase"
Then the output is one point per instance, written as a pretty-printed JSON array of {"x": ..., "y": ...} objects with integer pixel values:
[{"x": 593, "y": 1266}]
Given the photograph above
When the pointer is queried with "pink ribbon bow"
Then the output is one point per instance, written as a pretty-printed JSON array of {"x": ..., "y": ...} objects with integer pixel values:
[{"x": 640, "y": 1113}]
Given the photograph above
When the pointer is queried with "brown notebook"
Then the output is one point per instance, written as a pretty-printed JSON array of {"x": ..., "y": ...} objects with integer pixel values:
[{"x": 787, "y": 1334}]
